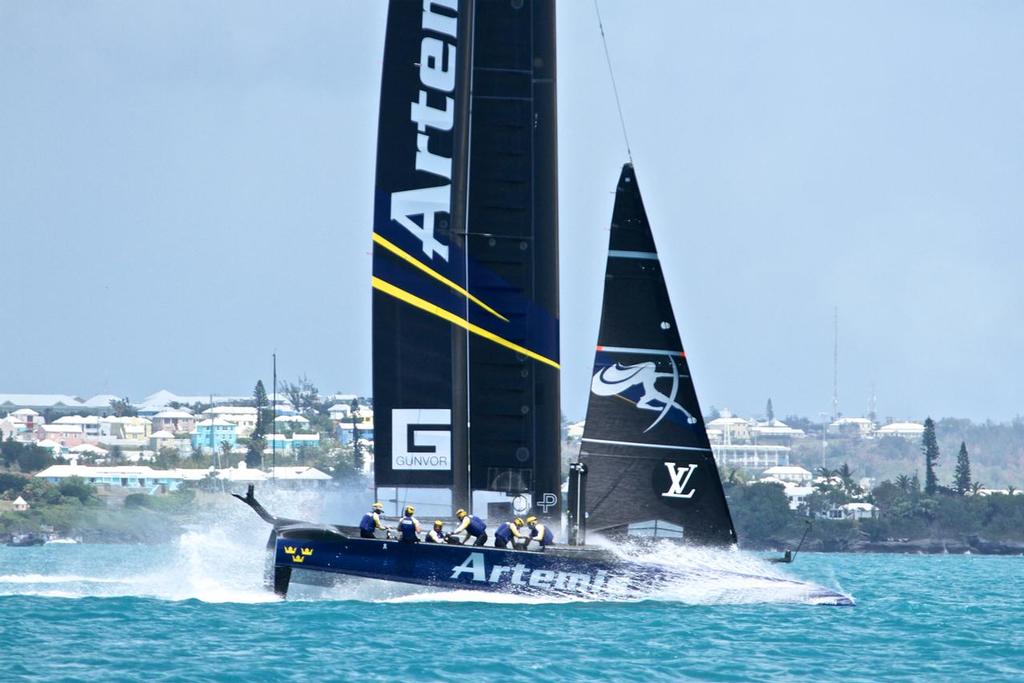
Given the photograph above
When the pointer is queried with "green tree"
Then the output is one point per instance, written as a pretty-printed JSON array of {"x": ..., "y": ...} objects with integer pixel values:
[
  {"x": 259, "y": 397},
  {"x": 761, "y": 510},
  {"x": 76, "y": 487},
  {"x": 903, "y": 483},
  {"x": 930, "y": 448},
  {"x": 962, "y": 476},
  {"x": 303, "y": 394},
  {"x": 122, "y": 407},
  {"x": 770, "y": 411},
  {"x": 254, "y": 453}
]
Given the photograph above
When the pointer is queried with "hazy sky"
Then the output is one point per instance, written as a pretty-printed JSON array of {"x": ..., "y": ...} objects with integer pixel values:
[{"x": 186, "y": 187}]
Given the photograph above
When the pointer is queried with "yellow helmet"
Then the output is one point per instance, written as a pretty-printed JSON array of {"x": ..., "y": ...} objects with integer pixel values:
[
  {"x": 460, "y": 513},
  {"x": 409, "y": 509},
  {"x": 531, "y": 519},
  {"x": 438, "y": 524},
  {"x": 517, "y": 521},
  {"x": 378, "y": 506}
]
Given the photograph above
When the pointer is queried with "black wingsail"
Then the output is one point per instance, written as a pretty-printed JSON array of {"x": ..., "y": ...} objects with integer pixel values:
[
  {"x": 512, "y": 246},
  {"x": 419, "y": 283},
  {"x": 651, "y": 471},
  {"x": 465, "y": 302}
]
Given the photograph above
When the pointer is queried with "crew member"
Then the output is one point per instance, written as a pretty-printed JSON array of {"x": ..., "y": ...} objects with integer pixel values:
[
  {"x": 509, "y": 533},
  {"x": 371, "y": 522},
  {"x": 472, "y": 526},
  {"x": 409, "y": 527},
  {"x": 437, "y": 534},
  {"x": 539, "y": 533}
]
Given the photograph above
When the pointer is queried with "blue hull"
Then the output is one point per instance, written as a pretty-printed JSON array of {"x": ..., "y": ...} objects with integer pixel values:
[{"x": 561, "y": 572}]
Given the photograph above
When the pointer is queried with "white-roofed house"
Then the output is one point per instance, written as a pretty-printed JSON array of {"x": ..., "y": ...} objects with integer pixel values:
[
  {"x": 61, "y": 404},
  {"x": 339, "y": 411},
  {"x": 244, "y": 417},
  {"x": 211, "y": 434},
  {"x": 63, "y": 434},
  {"x": 174, "y": 420},
  {"x": 90, "y": 424},
  {"x": 905, "y": 430},
  {"x": 789, "y": 474},
  {"x": 734, "y": 429},
  {"x": 860, "y": 427}
]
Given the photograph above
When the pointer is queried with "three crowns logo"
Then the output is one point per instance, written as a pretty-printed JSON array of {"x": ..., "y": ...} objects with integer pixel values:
[{"x": 298, "y": 555}]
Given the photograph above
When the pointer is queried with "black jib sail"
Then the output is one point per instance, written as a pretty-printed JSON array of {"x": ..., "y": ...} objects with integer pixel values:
[
  {"x": 465, "y": 327},
  {"x": 651, "y": 471}
]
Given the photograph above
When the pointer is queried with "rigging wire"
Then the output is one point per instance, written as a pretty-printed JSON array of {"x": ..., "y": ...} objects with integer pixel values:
[{"x": 611, "y": 74}]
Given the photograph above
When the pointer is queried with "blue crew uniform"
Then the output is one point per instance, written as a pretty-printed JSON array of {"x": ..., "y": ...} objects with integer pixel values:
[
  {"x": 369, "y": 524},
  {"x": 507, "y": 533},
  {"x": 408, "y": 530},
  {"x": 472, "y": 526},
  {"x": 541, "y": 534}
]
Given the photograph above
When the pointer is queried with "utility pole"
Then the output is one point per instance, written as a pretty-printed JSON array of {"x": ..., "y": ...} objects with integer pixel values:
[
  {"x": 273, "y": 442},
  {"x": 835, "y": 364}
]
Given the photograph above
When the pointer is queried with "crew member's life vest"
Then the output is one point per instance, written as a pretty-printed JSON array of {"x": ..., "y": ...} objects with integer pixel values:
[
  {"x": 407, "y": 529},
  {"x": 476, "y": 526},
  {"x": 368, "y": 523},
  {"x": 547, "y": 539},
  {"x": 504, "y": 533}
]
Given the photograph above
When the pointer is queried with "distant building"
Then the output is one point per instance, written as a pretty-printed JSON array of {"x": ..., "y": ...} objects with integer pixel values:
[
  {"x": 733, "y": 429},
  {"x": 775, "y": 432},
  {"x": 210, "y": 434},
  {"x": 339, "y": 411},
  {"x": 64, "y": 434},
  {"x": 244, "y": 417},
  {"x": 174, "y": 420},
  {"x": 90, "y": 424},
  {"x": 905, "y": 430},
  {"x": 860, "y": 427},
  {"x": 20, "y": 505},
  {"x": 751, "y": 456},
  {"x": 60, "y": 404},
  {"x": 791, "y": 474}
]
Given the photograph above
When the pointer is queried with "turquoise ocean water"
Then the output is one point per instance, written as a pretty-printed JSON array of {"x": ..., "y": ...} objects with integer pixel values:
[{"x": 195, "y": 610}]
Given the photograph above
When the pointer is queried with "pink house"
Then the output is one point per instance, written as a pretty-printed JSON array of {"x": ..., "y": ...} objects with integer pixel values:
[{"x": 65, "y": 434}]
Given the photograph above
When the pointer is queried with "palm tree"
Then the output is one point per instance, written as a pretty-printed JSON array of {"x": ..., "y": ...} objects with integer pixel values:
[
  {"x": 845, "y": 475},
  {"x": 1010, "y": 490},
  {"x": 903, "y": 482},
  {"x": 976, "y": 488}
]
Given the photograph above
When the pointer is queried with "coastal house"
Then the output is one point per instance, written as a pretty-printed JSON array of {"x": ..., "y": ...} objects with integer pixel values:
[
  {"x": 243, "y": 417},
  {"x": 859, "y": 427},
  {"x": 30, "y": 418},
  {"x": 344, "y": 432},
  {"x": 292, "y": 422},
  {"x": 141, "y": 477},
  {"x": 904, "y": 430},
  {"x": 57, "y": 404},
  {"x": 775, "y": 432},
  {"x": 339, "y": 412},
  {"x": 174, "y": 420},
  {"x": 733, "y": 429},
  {"x": 20, "y": 505},
  {"x": 211, "y": 434},
  {"x": 751, "y": 456},
  {"x": 12, "y": 427},
  {"x": 64, "y": 434},
  {"x": 90, "y": 424},
  {"x": 791, "y": 474}
]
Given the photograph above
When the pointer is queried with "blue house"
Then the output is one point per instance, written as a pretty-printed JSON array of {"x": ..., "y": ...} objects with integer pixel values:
[{"x": 213, "y": 433}]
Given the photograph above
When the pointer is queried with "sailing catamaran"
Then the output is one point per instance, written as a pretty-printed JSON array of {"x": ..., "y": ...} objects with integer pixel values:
[{"x": 465, "y": 337}]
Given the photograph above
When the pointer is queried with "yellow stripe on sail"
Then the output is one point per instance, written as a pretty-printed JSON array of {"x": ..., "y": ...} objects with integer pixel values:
[
  {"x": 433, "y": 309},
  {"x": 434, "y": 274}
]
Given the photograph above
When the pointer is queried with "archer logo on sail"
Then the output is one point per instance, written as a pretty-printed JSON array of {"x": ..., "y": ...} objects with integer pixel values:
[
  {"x": 618, "y": 379},
  {"x": 680, "y": 476},
  {"x": 437, "y": 76}
]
